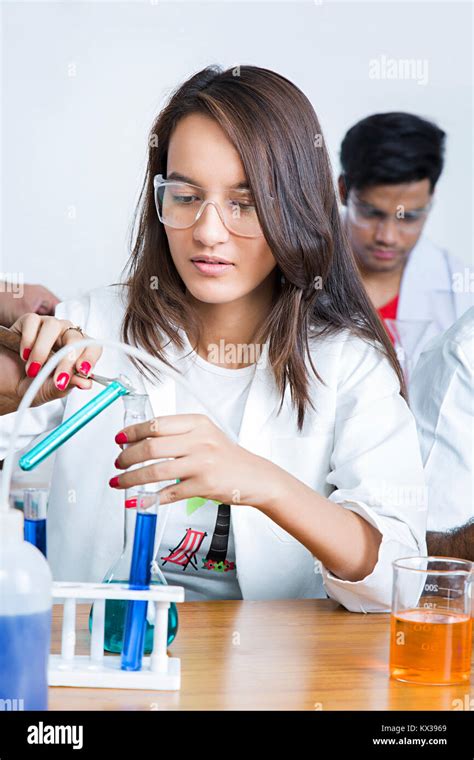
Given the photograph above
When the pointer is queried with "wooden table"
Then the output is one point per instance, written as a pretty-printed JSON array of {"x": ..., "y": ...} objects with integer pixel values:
[{"x": 298, "y": 654}]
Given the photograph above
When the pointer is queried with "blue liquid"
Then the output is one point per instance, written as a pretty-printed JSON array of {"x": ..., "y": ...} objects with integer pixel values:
[
  {"x": 35, "y": 533},
  {"x": 115, "y": 612},
  {"x": 140, "y": 576},
  {"x": 24, "y": 652}
]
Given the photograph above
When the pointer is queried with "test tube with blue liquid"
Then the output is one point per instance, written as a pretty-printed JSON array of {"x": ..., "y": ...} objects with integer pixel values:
[
  {"x": 140, "y": 577},
  {"x": 35, "y": 506}
]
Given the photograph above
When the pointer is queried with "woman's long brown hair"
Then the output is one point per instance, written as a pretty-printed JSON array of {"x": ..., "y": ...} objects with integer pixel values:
[{"x": 277, "y": 134}]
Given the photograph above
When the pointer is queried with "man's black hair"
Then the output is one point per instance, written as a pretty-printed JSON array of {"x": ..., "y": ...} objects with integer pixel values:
[{"x": 391, "y": 148}]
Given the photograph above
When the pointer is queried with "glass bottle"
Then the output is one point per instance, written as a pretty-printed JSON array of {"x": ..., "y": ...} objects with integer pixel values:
[{"x": 137, "y": 409}]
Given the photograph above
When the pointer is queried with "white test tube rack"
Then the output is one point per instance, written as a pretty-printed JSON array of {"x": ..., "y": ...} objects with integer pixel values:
[{"x": 99, "y": 670}]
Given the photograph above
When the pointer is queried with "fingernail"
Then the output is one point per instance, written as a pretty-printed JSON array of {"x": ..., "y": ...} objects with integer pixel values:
[
  {"x": 117, "y": 464},
  {"x": 26, "y": 353},
  {"x": 62, "y": 380},
  {"x": 121, "y": 438},
  {"x": 33, "y": 369},
  {"x": 85, "y": 368},
  {"x": 131, "y": 503},
  {"x": 114, "y": 482}
]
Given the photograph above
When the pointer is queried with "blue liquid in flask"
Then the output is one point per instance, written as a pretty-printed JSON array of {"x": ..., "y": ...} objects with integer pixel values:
[
  {"x": 24, "y": 644},
  {"x": 115, "y": 611},
  {"x": 35, "y": 533}
]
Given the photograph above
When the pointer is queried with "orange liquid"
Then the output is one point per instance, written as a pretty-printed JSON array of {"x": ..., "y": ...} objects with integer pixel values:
[{"x": 430, "y": 646}]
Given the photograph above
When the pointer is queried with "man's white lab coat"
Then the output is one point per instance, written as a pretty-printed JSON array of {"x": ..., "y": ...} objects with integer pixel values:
[
  {"x": 358, "y": 448},
  {"x": 442, "y": 399},
  {"x": 435, "y": 290}
]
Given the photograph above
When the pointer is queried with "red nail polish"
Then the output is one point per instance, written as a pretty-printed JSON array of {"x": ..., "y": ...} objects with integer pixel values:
[
  {"x": 33, "y": 369},
  {"x": 62, "y": 380},
  {"x": 116, "y": 464},
  {"x": 121, "y": 438},
  {"x": 26, "y": 354},
  {"x": 85, "y": 368},
  {"x": 114, "y": 482},
  {"x": 131, "y": 503}
]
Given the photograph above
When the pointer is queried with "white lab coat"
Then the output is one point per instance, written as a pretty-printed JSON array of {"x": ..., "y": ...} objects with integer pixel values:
[
  {"x": 359, "y": 449},
  {"x": 442, "y": 399},
  {"x": 433, "y": 289}
]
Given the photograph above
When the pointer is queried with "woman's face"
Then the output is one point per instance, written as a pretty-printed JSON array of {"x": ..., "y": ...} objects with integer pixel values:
[{"x": 200, "y": 151}]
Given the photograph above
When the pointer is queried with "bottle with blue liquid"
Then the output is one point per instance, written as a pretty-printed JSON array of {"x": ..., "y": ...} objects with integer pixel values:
[
  {"x": 137, "y": 409},
  {"x": 25, "y": 618}
]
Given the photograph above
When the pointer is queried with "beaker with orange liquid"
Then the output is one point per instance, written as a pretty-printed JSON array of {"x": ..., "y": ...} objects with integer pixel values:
[{"x": 431, "y": 624}]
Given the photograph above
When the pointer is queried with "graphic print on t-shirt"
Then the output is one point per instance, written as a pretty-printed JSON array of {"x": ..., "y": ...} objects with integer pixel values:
[
  {"x": 216, "y": 556},
  {"x": 185, "y": 552}
]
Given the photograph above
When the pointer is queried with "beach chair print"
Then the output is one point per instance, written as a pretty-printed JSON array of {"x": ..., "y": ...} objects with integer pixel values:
[{"x": 184, "y": 553}]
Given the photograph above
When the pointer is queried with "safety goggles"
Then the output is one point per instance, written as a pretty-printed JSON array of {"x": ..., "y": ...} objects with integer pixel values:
[{"x": 180, "y": 205}]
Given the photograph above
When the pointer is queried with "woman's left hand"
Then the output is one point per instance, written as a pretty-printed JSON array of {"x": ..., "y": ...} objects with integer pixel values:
[{"x": 205, "y": 460}]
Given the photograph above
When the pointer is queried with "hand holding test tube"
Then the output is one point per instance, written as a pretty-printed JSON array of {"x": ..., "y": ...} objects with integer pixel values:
[{"x": 115, "y": 388}]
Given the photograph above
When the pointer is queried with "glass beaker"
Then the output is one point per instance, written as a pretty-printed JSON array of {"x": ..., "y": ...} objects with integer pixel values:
[
  {"x": 431, "y": 625},
  {"x": 137, "y": 409}
]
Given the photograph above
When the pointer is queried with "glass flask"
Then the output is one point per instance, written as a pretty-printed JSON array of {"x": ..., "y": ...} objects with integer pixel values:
[{"x": 137, "y": 409}]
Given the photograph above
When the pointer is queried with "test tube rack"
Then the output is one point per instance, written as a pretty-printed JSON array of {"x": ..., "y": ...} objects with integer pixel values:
[{"x": 99, "y": 670}]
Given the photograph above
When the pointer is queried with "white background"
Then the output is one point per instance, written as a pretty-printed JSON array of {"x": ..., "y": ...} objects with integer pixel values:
[{"x": 77, "y": 144}]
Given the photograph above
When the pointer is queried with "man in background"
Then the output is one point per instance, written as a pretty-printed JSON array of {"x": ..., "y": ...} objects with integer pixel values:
[{"x": 391, "y": 163}]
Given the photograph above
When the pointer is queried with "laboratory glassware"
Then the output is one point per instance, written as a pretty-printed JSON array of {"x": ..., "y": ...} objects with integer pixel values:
[{"x": 431, "y": 626}]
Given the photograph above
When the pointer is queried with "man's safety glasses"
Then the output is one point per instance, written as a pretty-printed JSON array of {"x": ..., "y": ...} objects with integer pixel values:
[{"x": 366, "y": 216}]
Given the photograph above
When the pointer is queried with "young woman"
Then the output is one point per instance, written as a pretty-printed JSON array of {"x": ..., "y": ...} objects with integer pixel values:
[{"x": 242, "y": 280}]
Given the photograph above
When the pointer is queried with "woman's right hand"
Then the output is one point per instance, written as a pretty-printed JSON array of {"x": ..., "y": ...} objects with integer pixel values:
[{"x": 39, "y": 336}]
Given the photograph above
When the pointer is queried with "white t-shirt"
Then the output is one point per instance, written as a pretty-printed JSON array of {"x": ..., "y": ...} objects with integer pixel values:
[{"x": 197, "y": 547}]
